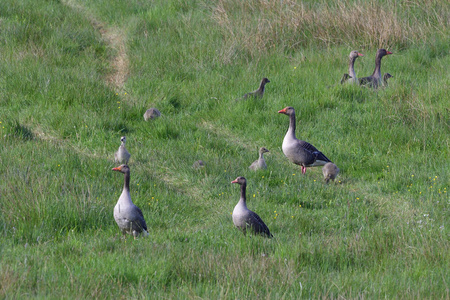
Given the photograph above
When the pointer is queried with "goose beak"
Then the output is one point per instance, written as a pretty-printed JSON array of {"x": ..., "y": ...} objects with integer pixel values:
[
  {"x": 234, "y": 181},
  {"x": 389, "y": 52},
  {"x": 359, "y": 54},
  {"x": 117, "y": 169},
  {"x": 283, "y": 111}
]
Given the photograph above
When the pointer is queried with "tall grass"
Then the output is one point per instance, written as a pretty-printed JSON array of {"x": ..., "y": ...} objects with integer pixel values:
[
  {"x": 252, "y": 27},
  {"x": 380, "y": 232}
]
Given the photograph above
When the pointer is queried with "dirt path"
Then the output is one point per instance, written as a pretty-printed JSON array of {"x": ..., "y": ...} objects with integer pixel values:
[
  {"x": 119, "y": 65},
  {"x": 115, "y": 39}
]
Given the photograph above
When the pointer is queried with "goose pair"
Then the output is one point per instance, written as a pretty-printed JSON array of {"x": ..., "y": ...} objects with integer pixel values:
[
  {"x": 130, "y": 219},
  {"x": 297, "y": 151},
  {"x": 373, "y": 80},
  {"x": 128, "y": 216}
]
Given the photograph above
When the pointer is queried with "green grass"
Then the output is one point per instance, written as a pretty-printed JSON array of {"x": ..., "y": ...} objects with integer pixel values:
[{"x": 382, "y": 231}]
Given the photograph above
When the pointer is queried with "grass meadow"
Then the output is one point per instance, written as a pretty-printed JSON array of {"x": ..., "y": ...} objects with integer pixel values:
[{"x": 75, "y": 75}]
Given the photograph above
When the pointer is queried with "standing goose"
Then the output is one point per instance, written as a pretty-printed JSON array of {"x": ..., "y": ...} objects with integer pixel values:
[
  {"x": 244, "y": 218},
  {"x": 351, "y": 76},
  {"x": 330, "y": 171},
  {"x": 122, "y": 156},
  {"x": 260, "y": 163},
  {"x": 128, "y": 216},
  {"x": 259, "y": 93},
  {"x": 374, "y": 80},
  {"x": 297, "y": 151}
]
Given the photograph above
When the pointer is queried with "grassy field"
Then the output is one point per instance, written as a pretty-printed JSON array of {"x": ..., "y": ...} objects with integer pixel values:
[{"x": 75, "y": 75}]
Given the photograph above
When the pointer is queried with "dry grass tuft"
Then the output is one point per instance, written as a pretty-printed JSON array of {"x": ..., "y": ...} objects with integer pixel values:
[
  {"x": 9, "y": 281},
  {"x": 253, "y": 27}
]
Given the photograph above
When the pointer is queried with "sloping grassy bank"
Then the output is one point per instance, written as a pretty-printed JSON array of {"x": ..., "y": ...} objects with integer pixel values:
[{"x": 381, "y": 231}]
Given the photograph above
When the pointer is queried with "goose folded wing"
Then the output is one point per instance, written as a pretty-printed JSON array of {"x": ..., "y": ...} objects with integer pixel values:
[
  {"x": 317, "y": 154},
  {"x": 139, "y": 218},
  {"x": 320, "y": 156},
  {"x": 308, "y": 146},
  {"x": 258, "y": 224}
]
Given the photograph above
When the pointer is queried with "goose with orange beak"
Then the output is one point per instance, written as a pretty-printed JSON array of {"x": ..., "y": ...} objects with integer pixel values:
[{"x": 297, "y": 151}]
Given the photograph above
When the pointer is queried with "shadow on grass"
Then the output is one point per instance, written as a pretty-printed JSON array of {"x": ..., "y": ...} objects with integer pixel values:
[{"x": 20, "y": 131}]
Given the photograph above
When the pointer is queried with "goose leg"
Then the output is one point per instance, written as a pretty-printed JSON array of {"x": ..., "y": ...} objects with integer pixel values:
[{"x": 303, "y": 170}]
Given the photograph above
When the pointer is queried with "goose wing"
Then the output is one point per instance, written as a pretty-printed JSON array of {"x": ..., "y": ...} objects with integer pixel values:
[
  {"x": 138, "y": 219},
  {"x": 258, "y": 224},
  {"x": 314, "y": 151}
]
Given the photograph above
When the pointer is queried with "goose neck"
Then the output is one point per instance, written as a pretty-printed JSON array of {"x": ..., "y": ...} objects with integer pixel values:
[
  {"x": 291, "y": 129},
  {"x": 243, "y": 193},
  {"x": 377, "y": 71},
  {"x": 351, "y": 68},
  {"x": 126, "y": 185},
  {"x": 262, "y": 86}
]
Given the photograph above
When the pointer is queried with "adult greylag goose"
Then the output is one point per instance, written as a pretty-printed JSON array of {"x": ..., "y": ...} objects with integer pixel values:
[
  {"x": 258, "y": 93},
  {"x": 244, "y": 218},
  {"x": 260, "y": 163},
  {"x": 151, "y": 113},
  {"x": 374, "y": 80},
  {"x": 122, "y": 156},
  {"x": 128, "y": 216},
  {"x": 330, "y": 171},
  {"x": 297, "y": 151},
  {"x": 386, "y": 76},
  {"x": 351, "y": 76}
]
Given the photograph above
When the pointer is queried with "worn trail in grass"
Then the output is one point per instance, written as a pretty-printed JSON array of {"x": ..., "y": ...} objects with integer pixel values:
[{"x": 116, "y": 39}]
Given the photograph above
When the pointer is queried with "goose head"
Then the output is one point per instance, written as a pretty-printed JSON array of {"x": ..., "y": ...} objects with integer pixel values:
[
  {"x": 265, "y": 80},
  {"x": 386, "y": 76},
  {"x": 122, "y": 169},
  {"x": 354, "y": 55},
  {"x": 383, "y": 52},
  {"x": 289, "y": 110},
  {"x": 263, "y": 150},
  {"x": 123, "y": 139},
  {"x": 345, "y": 77},
  {"x": 240, "y": 180}
]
